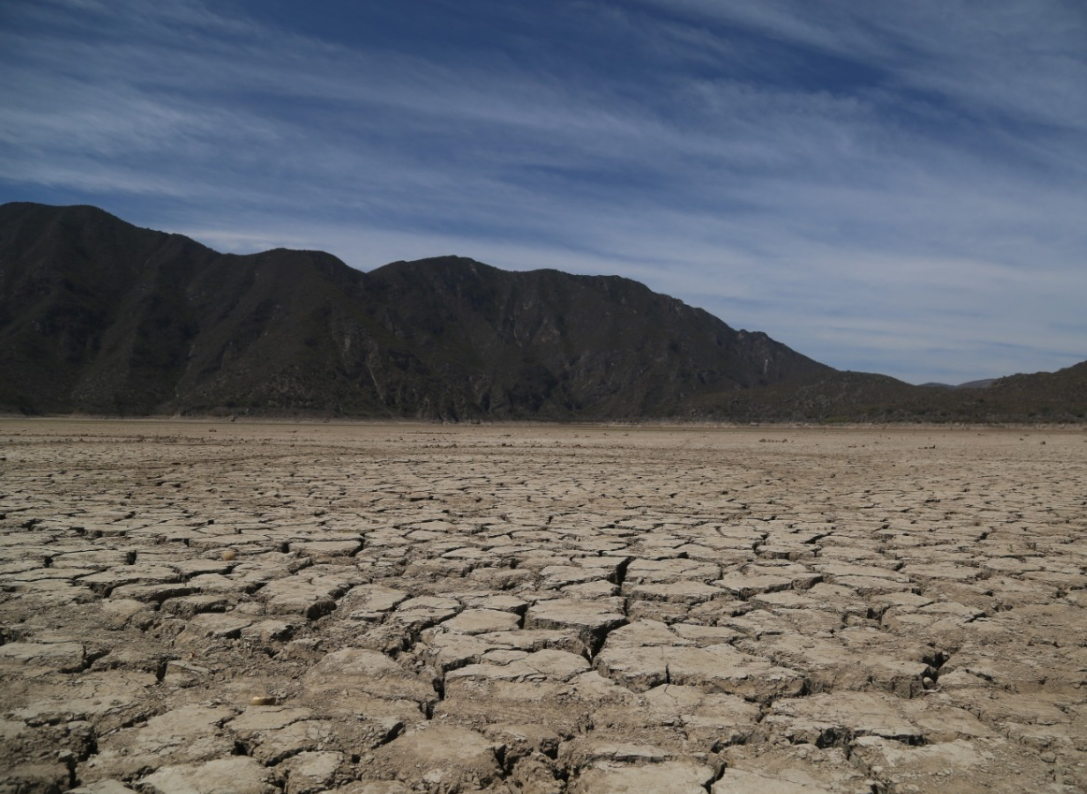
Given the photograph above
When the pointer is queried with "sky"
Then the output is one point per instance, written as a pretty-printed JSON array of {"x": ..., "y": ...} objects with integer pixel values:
[{"x": 885, "y": 186}]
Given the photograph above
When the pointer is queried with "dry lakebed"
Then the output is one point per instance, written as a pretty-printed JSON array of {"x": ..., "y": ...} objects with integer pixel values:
[{"x": 214, "y": 607}]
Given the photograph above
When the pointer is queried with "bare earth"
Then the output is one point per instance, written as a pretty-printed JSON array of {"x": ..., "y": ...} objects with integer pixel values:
[{"x": 217, "y": 608}]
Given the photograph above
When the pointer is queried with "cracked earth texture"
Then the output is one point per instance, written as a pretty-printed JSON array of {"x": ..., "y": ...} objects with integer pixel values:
[{"x": 198, "y": 607}]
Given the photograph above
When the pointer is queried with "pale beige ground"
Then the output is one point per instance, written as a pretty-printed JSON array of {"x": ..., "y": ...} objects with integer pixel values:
[{"x": 540, "y": 609}]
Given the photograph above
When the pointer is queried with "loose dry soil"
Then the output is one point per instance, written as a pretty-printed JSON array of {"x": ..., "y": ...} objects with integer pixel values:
[{"x": 244, "y": 608}]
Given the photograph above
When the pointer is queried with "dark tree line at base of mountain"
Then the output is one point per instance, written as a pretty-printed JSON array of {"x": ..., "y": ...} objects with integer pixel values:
[{"x": 100, "y": 317}]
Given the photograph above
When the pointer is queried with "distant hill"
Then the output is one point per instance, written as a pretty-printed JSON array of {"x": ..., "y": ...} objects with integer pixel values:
[
  {"x": 973, "y": 384},
  {"x": 863, "y": 397},
  {"x": 99, "y": 316}
]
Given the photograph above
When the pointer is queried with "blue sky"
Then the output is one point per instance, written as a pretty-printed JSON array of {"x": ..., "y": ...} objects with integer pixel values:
[{"x": 884, "y": 186}]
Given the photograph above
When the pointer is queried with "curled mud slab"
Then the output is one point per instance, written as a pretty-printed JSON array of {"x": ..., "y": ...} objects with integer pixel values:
[{"x": 376, "y": 609}]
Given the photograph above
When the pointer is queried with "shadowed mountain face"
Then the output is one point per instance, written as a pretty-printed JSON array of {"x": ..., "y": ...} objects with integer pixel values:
[{"x": 99, "y": 316}]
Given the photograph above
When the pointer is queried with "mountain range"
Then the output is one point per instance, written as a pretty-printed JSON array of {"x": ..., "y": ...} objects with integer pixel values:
[{"x": 99, "y": 316}]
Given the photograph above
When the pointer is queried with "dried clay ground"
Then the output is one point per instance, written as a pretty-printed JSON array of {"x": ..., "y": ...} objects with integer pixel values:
[{"x": 198, "y": 607}]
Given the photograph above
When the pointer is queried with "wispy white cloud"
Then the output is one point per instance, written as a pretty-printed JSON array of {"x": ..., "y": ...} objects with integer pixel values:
[{"x": 872, "y": 187}]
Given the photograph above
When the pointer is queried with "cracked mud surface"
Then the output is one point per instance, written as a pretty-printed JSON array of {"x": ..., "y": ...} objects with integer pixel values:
[{"x": 374, "y": 609}]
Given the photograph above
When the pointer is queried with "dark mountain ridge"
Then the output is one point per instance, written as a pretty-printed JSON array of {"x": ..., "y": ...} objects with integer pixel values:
[
  {"x": 842, "y": 396},
  {"x": 99, "y": 316}
]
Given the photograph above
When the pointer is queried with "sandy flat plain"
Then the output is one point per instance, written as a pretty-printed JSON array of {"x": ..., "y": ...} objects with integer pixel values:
[{"x": 200, "y": 607}]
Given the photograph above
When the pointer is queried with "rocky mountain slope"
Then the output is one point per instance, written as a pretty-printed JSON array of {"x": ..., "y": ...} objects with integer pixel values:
[{"x": 99, "y": 316}]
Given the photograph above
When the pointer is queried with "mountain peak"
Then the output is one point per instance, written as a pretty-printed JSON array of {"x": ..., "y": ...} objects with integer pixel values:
[
  {"x": 131, "y": 320},
  {"x": 100, "y": 316}
]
